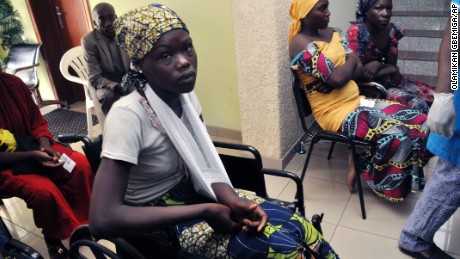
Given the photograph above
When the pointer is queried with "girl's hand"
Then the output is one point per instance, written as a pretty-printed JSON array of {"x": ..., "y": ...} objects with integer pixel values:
[
  {"x": 370, "y": 70},
  {"x": 250, "y": 214},
  {"x": 219, "y": 217},
  {"x": 396, "y": 77},
  {"x": 45, "y": 146},
  {"x": 51, "y": 152},
  {"x": 45, "y": 159},
  {"x": 243, "y": 211}
]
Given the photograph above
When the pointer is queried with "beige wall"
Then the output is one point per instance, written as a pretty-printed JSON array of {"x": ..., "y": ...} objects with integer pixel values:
[
  {"x": 268, "y": 118},
  {"x": 342, "y": 12}
]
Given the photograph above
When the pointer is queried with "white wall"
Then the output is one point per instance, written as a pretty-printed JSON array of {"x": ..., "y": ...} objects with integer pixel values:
[{"x": 342, "y": 12}]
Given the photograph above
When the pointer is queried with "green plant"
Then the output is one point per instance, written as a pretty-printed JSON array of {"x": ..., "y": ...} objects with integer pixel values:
[{"x": 11, "y": 29}]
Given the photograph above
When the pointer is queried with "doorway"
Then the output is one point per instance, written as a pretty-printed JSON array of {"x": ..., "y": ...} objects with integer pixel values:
[{"x": 59, "y": 26}]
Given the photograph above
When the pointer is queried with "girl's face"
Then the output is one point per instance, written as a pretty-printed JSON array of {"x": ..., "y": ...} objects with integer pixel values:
[
  {"x": 318, "y": 17},
  {"x": 380, "y": 14},
  {"x": 171, "y": 65}
]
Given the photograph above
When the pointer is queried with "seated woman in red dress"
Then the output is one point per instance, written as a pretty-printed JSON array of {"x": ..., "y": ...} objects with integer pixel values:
[
  {"x": 375, "y": 39},
  {"x": 30, "y": 169}
]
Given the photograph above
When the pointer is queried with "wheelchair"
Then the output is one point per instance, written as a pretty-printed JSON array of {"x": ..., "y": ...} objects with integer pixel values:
[
  {"x": 12, "y": 248},
  {"x": 243, "y": 164}
]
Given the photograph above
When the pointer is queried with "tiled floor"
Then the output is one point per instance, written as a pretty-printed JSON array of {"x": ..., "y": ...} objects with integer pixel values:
[{"x": 325, "y": 191}]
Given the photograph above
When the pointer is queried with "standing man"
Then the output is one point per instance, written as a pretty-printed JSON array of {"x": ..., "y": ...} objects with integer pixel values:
[
  {"x": 107, "y": 63},
  {"x": 441, "y": 196}
]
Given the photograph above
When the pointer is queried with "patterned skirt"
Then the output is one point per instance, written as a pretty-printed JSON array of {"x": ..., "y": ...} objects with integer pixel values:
[
  {"x": 412, "y": 93},
  {"x": 393, "y": 167},
  {"x": 287, "y": 235}
]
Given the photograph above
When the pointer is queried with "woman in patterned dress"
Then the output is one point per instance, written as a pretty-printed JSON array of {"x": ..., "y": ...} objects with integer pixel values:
[
  {"x": 149, "y": 185},
  {"x": 375, "y": 40},
  {"x": 327, "y": 69}
]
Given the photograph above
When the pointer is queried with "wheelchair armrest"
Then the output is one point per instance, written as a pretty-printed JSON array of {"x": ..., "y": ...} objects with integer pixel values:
[
  {"x": 126, "y": 248},
  {"x": 293, "y": 177},
  {"x": 82, "y": 237},
  {"x": 74, "y": 137},
  {"x": 17, "y": 248},
  {"x": 91, "y": 148},
  {"x": 241, "y": 147},
  {"x": 380, "y": 88}
]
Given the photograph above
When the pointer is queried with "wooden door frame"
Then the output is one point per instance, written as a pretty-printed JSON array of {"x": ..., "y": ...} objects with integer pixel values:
[{"x": 39, "y": 38}]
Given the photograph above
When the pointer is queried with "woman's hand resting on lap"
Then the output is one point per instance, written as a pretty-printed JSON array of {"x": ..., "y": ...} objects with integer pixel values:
[
  {"x": 45, "y": 146},
  {"x": 51, "y": 152},
  {"x": 45, "y": 159},
  {"x": 396, "y": 77},
  {"x": 219, "y": 217},
  {"x": 248, "y": 213},
  {"x": 370, "y": 70}
]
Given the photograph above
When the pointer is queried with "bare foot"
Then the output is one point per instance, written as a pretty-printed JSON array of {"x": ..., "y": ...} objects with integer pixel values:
[
  {"x": 351, "y": 181},
  {"x": 351, "y": 175}
]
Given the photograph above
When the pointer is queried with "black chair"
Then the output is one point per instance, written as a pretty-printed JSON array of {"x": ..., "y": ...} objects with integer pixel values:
[
  {"x": 16, "y": 249},
  {"x": 82, "y": 238},
  {"x": 12, "y": 248},
  {"x": 315, "y": 133},
  {"x": 245, "y": 172},
  {"x": 240, "y": 166},
  {"x": 91, "y": 148},
  {"x": 22, "y": 61}
]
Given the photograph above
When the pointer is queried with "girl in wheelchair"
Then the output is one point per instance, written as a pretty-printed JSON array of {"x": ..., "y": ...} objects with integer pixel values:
[{"x": 160, "y": 173}]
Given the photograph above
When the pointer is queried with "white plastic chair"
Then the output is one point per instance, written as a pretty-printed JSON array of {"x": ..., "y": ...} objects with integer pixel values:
[{"x": 75, "y": 59}]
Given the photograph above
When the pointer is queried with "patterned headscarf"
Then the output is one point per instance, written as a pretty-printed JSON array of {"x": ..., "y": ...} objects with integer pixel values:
[
  {"x": 298, "y": 10},
  {"x": 362, "y": 6},
  {"x": 138, "y": 30}
]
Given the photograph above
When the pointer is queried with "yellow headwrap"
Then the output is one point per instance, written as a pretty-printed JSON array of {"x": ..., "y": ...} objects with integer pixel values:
[
  {"x": 298, "y": 10},
  {"x": 139, "y": 29}
]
